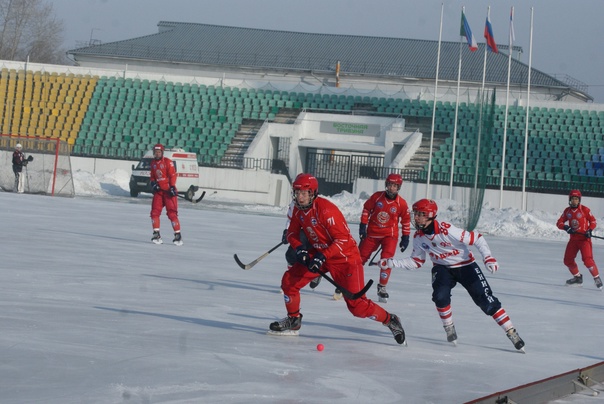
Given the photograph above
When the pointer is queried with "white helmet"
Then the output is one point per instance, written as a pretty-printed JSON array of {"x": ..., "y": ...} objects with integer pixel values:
[{"x": 18, "y": 146}]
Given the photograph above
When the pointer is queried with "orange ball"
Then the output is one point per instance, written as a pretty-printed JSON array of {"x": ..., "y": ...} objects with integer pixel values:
[{"x": 320, "y": 347}]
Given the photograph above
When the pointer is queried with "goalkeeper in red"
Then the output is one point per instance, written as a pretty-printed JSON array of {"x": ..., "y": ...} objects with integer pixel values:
[
  {"x": 163, "y": 183},
  {"x": 453, "y": 262},
  {"x": 333, "y": 250},
  {"x": 581, "y": 222},
  {"x": 382, "y": 213}
]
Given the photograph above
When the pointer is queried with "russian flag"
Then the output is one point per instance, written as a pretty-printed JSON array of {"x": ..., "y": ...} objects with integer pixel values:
[
  {"x": 467, "y": 32},
  {"x": 488, "y": 34}
]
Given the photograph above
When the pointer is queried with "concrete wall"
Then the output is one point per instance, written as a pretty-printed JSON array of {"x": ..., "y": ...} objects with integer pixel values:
[{"x": 264, "y": 188}]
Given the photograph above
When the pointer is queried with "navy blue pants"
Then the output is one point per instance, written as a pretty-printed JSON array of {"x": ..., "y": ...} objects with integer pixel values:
[{"x": 471, "y": 278}]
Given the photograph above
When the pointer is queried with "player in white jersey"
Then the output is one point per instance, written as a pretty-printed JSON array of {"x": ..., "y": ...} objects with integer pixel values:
[{"x": 453, "y": 262}]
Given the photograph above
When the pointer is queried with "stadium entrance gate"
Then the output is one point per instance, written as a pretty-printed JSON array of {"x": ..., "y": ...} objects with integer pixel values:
[{"x": 337, "y": 172}]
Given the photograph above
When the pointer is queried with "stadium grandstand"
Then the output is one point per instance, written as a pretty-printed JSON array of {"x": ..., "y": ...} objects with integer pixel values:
[{"x": 349, "y": 109}]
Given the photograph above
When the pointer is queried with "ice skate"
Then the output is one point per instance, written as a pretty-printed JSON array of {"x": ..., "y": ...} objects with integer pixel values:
[
  {"x": 598, "y": 282},
  {"x": 516, "y": 340},
  {"x": 451, "y": 334},
  {"x": 337, "y": 294},
  {"x": 382, "y": 294},
  {"x": 177, "y": 239},
  {"x": 315, "y": 282},
  {"x": 394, "y": 324},
  {"x": 156, "y": 237},
  {"x": 286, "y": 326},
  {"x": 576, "y": 280}
]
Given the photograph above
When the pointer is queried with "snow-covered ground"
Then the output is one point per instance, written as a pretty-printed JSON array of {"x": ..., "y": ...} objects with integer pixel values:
[{"x": 92, "y": 311}]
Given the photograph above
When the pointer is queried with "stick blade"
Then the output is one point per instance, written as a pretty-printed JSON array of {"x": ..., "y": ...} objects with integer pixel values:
[
  {"x": 241, "y": 264},
  {"x": 200, "y": 198}
]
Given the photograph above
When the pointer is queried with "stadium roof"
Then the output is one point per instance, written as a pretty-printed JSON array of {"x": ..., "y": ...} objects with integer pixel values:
[{"x": 250, "y": 48}]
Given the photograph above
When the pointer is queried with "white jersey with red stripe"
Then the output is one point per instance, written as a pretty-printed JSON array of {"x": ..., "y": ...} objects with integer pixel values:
[{"x": 448, "y": 246}]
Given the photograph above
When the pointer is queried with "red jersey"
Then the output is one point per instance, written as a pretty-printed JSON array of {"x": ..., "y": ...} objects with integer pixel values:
[
  {"x": 580, "y": 219},
  {"x": 326, "y": 231},
  {"x": 163, "y": 172},
  {"x": 382, "y": 216}
]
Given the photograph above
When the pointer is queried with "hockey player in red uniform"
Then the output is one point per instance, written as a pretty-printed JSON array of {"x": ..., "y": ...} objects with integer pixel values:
[
  {"x": 163, "y": 183},
  {"x": 447, "y": 247},
  {"x": 333, "y": 250},
  {"x": 380, "y": 219},
  {"x": 581, "y": 222}
]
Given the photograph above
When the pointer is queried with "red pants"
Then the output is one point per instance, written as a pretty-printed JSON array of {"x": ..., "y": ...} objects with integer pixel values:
[
  {"x": 349, "y": 275},
  {"x": 161, "y": 199},
  {"x": 370, "y": 244},
  {"x": 572, "y": 248}
]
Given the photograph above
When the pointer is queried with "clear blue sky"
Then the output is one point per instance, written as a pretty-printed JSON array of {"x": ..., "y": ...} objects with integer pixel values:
[{"x": 566, "y": 36}]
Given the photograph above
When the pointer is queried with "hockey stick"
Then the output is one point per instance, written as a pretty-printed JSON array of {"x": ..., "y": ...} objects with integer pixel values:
[
  {"x": 592, "y": 236},
  {"x": 192, "y": 200},
  {"x": 257, "y": 260},
  {"x": 348, "y": 294},
  {"x": 371, "y": 263}
]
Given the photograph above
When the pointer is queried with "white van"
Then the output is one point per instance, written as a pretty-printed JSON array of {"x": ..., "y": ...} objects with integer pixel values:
[{"x": 187, "y": 171}]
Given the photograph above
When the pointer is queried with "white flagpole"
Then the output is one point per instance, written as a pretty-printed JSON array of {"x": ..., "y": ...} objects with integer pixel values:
[
  {"x": 528, "y": 102},
  {"x": 484, "y": 73},
  {"x": 463, "y": 9},
  {"x": 507, "y": 104},
  {"x": 442, "y": 7}
]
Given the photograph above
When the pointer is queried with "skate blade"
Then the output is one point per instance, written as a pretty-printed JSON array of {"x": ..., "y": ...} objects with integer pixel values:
[
  {"x": 178, "y": 243},
  {"x": 288, "y": 333},
  {"x": 160, "y": 241},
  {"x": 522, "y": 350},
  {"x": 383, "y": 299},
  {"x": 454, "y": 343}
]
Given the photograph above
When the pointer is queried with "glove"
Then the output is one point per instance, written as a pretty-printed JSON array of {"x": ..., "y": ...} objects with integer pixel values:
[
  {"x": 568, "y": 229},
  {"x": 173, "y": 191},
  {"x": 491, "y": 264},
  {"x": 316, "y": 263},
  {"x": 284, "y": 236},
  {"x": 404, "y": 243},
  {"x": 302, "y": 255},
  {"x": 362, "y": 231},
  {"x": 154, "y": 187},
  {"x": 588, "y": 233}
]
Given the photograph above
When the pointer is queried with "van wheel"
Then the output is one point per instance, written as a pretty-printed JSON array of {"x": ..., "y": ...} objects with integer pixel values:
[{"x": 133, "y": 193}]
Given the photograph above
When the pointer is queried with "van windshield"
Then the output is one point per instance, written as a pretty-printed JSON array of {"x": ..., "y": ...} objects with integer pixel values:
[{"x": 144, "y": 164}]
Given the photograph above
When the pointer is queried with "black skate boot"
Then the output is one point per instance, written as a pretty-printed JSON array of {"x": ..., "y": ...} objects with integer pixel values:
[
  {"x": 177, "y": 239},
  {"x": 315, "y": 282},
  {"x": 156, "y": 237},
  {"x": 515, "y": 338},
  {"x": 394, "y": 324},
  {"x": 576, "y": 280},
  {"x": 598, "y": 282},
  {"x": 382, "y": 294},
  {"x": 287, "y": 326},
  {"x": 451, "y": 334}
]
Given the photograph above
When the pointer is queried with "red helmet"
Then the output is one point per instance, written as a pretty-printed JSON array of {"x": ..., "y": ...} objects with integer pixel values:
[
  {"x": 393, "y": 179},
  {"x": 305, "y": 182},
  {"x": 574, "y": 193},
  {"x": 160, "y": 147},
  {"x": 427, "y": 206}
]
